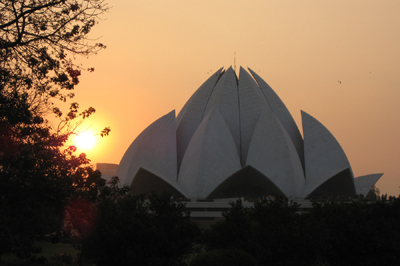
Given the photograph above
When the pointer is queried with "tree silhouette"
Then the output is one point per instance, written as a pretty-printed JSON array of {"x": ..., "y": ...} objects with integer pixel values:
[
  {"x": 38, "y": 41},
  {"x": 331, "y": 233},
  {"x": 134, "y": 230}
]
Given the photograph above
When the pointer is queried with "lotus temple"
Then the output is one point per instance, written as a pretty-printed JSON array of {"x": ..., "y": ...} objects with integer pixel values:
[{"x": 234, "y": 138}]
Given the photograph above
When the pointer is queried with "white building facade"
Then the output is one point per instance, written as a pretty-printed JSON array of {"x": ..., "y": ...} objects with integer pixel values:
[{"x": 235, "y": 138}]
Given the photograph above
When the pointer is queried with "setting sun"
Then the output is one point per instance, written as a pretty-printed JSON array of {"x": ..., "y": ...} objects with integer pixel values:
[{"x": 84, "y": 141}]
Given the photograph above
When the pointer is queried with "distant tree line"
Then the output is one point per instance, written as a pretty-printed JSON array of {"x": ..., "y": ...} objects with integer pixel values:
[
  {"x": 124, "y": 229},
  {"x": 331, "y": 233},
  {"x": 158, "y": 231}
]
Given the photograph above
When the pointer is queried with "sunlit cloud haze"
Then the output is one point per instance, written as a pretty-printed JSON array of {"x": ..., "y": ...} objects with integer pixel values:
[{"x": 337, "y": 60}]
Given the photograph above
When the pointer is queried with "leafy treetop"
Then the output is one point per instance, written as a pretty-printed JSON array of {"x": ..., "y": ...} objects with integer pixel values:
[{"x": 37, "y": 40}]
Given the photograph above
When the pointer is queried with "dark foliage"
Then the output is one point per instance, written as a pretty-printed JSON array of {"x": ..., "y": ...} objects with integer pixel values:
[
  {"x": 224, "y": 257},
  {"x": 36, "y": 40},
  {"x": 133, "y": 230},
  {"x": 359, "y": 233},
  {"x": 38, "y": 176},
  {"x": 349, "y": 233}
]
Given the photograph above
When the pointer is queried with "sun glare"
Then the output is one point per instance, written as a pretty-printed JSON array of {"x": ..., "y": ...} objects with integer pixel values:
[{"x": 84, "y": 141}]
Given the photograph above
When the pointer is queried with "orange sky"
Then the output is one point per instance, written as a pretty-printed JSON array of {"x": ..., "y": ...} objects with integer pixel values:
[{"x": 159, "y": 52}]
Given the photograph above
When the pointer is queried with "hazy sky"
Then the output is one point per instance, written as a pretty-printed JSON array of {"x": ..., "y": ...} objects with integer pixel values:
[{"x": 159, "y": 52}]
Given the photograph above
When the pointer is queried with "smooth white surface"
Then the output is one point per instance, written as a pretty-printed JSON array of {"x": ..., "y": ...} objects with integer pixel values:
[
  {"x": 324, "y": 157},
  {"x": 192, "y": 113},
  {"x": 154, "y": 149},
  {"x": 225, "y": 99},
  {"x": 272, "y": 153},
  {"x": 282, "y": 113},
  {"x": 210, "y": 158},
  {"x": 251, "y": 105},
  {"x": 365, "y": 183}
]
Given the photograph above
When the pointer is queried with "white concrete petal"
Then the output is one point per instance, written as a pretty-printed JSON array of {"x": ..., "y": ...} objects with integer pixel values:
[
  {"x": 282, "y": 113},
  {"x": 272, "y": 153},
  {"x": 365, "y": 183},
  {"x": 146, "y": 182},
  {"x": 210, "y": 158},
  {"x": 225, "y": 98},
  {"x": 251, "y": 105},
  {"x": 324, "y": 157},
  {"x": 192, "y": 113},
  {"x": 204, "y": 90},
  {"x": 154, "y": 149}
]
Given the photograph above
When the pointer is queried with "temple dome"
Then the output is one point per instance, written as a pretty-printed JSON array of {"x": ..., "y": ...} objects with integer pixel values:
[{"x": 235, "y": 137}]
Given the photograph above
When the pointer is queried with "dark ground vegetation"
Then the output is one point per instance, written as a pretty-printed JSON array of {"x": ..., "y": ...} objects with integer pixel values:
[{"x": 156, "y": 230}]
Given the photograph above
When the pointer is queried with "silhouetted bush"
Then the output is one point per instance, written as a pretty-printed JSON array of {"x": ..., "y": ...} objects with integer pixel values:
[
  {"x": 331, "y": 233},
  {"x": 137, "y": 231},
  {"x": 224, "y": 257}
]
